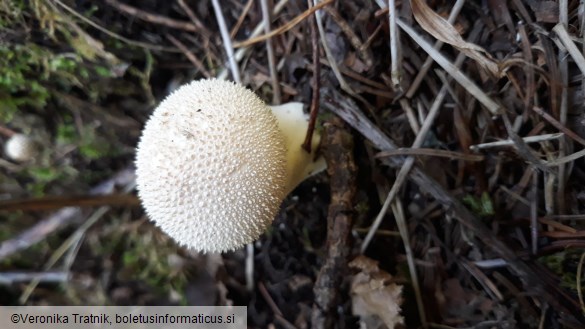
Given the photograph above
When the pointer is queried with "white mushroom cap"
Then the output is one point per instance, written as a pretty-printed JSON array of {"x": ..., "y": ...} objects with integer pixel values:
[
  {"x": 20, "y": 147},
  {"x": 211, "y": 166}
]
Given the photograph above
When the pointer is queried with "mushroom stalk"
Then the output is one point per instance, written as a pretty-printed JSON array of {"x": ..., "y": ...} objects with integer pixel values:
[{"x": 293, "y": 123}]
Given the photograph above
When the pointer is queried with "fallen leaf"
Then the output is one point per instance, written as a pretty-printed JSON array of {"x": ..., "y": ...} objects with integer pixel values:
[
  {"x": 374, "y": 295},
  {"x": 442, "y": 30}
]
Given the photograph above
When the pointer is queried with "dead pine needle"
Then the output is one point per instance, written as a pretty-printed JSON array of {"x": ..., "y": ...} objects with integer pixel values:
[
  {"x": 315, "y": 81},
  {"x": 292, "y": 23},
  {"x": 395, "y": 48},
  {"x": 276, "y": 98},
  {"x": 227, "y": 41}
]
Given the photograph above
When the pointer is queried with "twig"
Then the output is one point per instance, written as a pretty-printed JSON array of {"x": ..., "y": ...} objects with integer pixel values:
[
  {"x": 398, "y": 211},
  {"x": 395, "y": 47},
  {"x": 286, "y": 27},
  {"x": 534, "y": 212},
  {"x": 338, "y": 152},
  {"x": 363, "y": 52},
  {"x": 55, "y": 202},
  {"x": 277, "y": 312},
  {"x": 330, "y": 58},
  {"x": 190, "y": 56},
  {"x": 404, "y": 169},
  {"x": 565, "y": 39},
  {"x": 227, "y": 41},
  {"x": 431, "y": 152},
  {"x": 509, "y": 142},
  {"x": 257, "y": 30},
  {"x": 579, "y": 276},
  {"x": 409, "y": 162},
  {"x": 410, "y": 115},
  {"x": 461, "y": 78},
  {"x": 347, "y": 109},
  {"x": 521, "y": 148},
  {"x": 559, "y": 125},
  {"x": 241, "y": 19},
  {"x": 70, "y": 241},
  {"x": 6, "y": 132},
  {"x": 113, "y": 34},
  {"x": 487, "y": 284},
  {"x": 315, "y": 82},
  {"x": 568, "y": 158},
  {"x": 61, "y": 218},
  {"x": 152, "y": 18},
  {"x": 564, "y": 106},
  {"x": 249, "y": 267},
  {"x": 429, "y": 61},
  {"x": 9, "y": 278},
  {"x": 276, "y": 99},
  {"x": 204, "y": 31},
  {"x": 333, "y": 64}
]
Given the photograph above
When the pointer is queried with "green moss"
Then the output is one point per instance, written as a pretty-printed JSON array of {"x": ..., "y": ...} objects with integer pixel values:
[
  {"x": 482, "y": 206},
  {"x": 565, "y": 264}
]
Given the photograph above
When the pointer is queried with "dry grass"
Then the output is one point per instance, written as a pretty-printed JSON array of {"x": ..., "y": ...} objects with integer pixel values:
[{"x": 468, "y": 124}]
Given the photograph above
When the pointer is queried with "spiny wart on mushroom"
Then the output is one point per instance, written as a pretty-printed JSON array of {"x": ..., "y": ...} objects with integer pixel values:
[{"x": 215, "y": 162}]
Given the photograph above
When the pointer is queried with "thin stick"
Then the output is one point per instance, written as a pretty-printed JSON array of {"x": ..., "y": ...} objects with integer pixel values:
[
  {"x": 7, "y": 132},
  {"x": 559, "y": 125},
  {"x": 190, "y": 56},
  {"x": 314, "y": 83},
  {"x": 438, "y": 44},
  {"x": 461, "y": 78},
  {"x": 152, "y": 18},
  {"x": 509, "y": 142},
  {"x": 110, "y": 33},
  {"x": 395, "y": 47},
  {"x": 286, "y": 27},
  {"x": 534, "y": 212},
  {"x": 431, "y": 152},
  {"x": 564, "y": 106},
  {"x": 348, "y": 110},
  {"x": 257, "y": 30},
  {"x": 68, "y": 243},
  {"x": 276, "y": 99},
  {"x": 398, "y": 211},
  {"x": 333, "y": 64},
  {"x": 409, "y": 162},
  {"x": 579, "y": 273},
  {"x": 60, "y": 218},
  {"x": 10, "y": 278},
  {"x": 403, "y": 172},
  {"x": 412, "y": 120},
  {"x": 227, "y": 41},
  {"x": 568, "y": 158},
  {"x": 202, "y": 29},
  {"x": 364, "y": 53},
  {"x": 243, "y": 15}
]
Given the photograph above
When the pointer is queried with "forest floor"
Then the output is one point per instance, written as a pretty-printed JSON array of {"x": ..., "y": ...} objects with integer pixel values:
[{"x": 455, "y": 191}]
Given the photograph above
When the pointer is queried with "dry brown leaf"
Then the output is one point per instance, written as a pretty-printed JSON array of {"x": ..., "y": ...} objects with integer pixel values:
[
  {"x": 374, "y": 296},
  {"x": 442, "y": 30}
]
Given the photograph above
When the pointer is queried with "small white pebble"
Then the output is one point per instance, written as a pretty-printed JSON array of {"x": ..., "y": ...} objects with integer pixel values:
[{"x": 20, "y": 148}]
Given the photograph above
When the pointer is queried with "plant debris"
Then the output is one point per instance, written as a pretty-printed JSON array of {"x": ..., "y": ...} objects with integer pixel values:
[{"x": 467, "y": 121}]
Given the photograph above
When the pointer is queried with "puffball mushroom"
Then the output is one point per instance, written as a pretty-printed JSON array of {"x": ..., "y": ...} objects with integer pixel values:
[
  {"x": 21, "y": 148},
  {"x": 214, "y": 163}
]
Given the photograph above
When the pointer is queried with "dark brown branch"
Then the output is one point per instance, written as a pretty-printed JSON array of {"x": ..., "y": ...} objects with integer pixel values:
[
  {"x": 62, "y": 217},
  {"x": 338, "y": 152}
]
